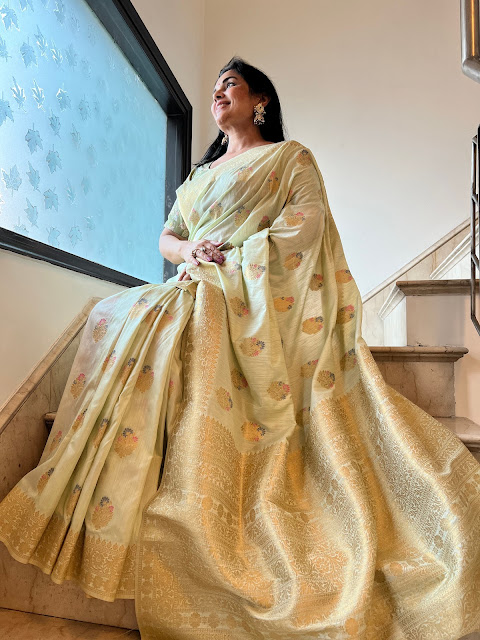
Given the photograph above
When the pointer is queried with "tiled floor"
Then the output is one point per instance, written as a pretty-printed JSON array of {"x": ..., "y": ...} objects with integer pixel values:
[{"x": 16, "y": 625}]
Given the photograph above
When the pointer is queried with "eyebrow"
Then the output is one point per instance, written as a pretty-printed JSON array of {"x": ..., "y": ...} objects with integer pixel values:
[{"x": 226, "y": 79}]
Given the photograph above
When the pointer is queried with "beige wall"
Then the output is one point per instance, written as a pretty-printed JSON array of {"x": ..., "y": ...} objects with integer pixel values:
[
  {"x": 40, "y": 300},
  {"x": 375, "y": 89}
]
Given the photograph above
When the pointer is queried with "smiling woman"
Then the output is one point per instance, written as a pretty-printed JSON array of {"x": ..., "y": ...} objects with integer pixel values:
[{"x": 227, "y": 451}]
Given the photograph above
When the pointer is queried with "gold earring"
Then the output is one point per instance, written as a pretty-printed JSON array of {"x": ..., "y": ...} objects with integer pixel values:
[
  {"x": 225, "y": 139},
  {"x": 259, "y": 111}
]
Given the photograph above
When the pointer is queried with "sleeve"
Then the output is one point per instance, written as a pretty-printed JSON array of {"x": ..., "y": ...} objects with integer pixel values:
[{"x": 175, "y": 221}]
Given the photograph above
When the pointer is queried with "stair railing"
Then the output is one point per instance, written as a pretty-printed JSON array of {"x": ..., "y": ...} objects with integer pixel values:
[
  {"x": 469, "y": 21},
  {"x": 474, "y": 210}
]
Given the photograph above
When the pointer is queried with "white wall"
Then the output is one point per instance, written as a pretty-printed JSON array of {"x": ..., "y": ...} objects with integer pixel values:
[
  {"x": 40, "y": 300},
  {"x": 375, "y": 89}
]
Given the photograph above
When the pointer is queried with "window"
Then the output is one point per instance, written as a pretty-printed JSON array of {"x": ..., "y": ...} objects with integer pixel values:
[{"x": 94, "y": 138}]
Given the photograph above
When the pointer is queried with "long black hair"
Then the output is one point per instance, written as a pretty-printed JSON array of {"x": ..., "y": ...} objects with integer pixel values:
[{"x": 259, "y": 84}]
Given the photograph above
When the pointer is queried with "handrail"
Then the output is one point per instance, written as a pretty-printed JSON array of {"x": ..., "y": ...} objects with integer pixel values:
[
  {"x": 474, "y": 209},
  {"x": 469, "y": 21}
]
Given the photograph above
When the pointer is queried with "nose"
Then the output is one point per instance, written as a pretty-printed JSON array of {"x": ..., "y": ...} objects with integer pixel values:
[{"x": 217, "y": 95}]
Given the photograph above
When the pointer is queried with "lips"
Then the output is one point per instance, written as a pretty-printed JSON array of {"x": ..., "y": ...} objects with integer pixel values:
[{"x": 220, "y": 104}]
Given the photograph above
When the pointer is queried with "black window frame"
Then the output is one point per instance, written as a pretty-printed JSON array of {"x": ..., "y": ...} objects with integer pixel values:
[{"x": 178, "y": 110}]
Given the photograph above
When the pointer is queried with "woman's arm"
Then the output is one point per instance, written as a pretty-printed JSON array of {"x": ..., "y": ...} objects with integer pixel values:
[{"x": 173, "y": 247}]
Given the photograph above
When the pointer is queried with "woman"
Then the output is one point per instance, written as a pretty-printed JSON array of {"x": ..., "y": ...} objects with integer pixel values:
[{"x": 300, "y": 496}]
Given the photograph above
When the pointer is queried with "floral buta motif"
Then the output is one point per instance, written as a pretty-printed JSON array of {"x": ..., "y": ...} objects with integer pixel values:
[
  {"x": 295, "y": 219},
  {"x": 316, "y": 282},
  {"x": 153, "y": 314},
  {"x": 215, "y": 210},
  {"x": 240, "y": 215},
  {"x": 165, "y": 319},
  {"x": 109, "y": 361},
  {"x": 278, "y": 390},
  {"x": 140, "y": 305},
  {"x": 103, "y": 513},
  {"x": 44, "y": 478},
  {"x": 326, "y": 379},
  {"x": 343, "y": 276},
  {"x": 252, "y": 346},
  {"x": 171, "y": 386},
  {"x": 78, "y": 385},
  {"x": 77, "y": 423},
  {"x": 55, "y": 441},
  {"x": 100, "y": 330},
  {"x": 238, "y": 379},
  {"x": 145, "y": 379},
  {"x": 254, "y": 271},
  {"x": 302, "y": 417},
  {"x": 127, "y": 368},
  {"x": 252, "y": 431},
  {"x": 244, "y": 173},
  {"x": 293, "y": 260},
  {"x": 264, "y": 223},
  {"x": 72, "y": 500},
  {"x": 348, "y": 360},
  {"x": 239, "y": 307},
  {"x": 126, "y": 443},
  {"x": 283, "y": 303},
  {"x": 194, "y": 217},
  {"x": 224, "y": 399},
  {"x": 273, "y": 182},
  {"x": 345, "y": 314},
  {"x": 308, "y": 369},
  {"x": 101, "y": 432},
  {"x": 312, "y": 325},
  {"x": 303, "y": 158},
  {"x": 231, "y": 266}
]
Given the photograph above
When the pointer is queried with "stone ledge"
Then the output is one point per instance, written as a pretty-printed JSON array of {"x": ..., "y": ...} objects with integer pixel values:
[
  {"x": 435, "y": 287},
  {"x": 418, "y": 354}
]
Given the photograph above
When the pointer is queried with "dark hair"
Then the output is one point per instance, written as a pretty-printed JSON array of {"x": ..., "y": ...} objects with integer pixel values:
[{"x": 259, "y": 83}]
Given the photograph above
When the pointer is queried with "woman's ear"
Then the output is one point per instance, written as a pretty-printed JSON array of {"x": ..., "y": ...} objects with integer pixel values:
[{"x": 263, "y": 99}]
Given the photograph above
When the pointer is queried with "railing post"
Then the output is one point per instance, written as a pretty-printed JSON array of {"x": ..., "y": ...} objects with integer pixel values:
[{"x": 474, "y": 208}]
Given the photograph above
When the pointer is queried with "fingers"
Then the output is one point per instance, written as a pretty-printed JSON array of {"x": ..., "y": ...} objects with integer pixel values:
[{"x": 215, "y": 254}]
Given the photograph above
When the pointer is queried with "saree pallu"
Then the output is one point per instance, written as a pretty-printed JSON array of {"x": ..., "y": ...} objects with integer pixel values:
[{"x": 227, "y": 452}]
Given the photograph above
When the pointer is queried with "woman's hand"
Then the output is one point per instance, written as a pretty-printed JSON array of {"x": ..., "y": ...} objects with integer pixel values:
[{"x": 205, "y": 249}]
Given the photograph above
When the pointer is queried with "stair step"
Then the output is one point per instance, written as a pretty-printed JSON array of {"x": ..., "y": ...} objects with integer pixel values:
[
  {"x": 18, "y": 625},
  {"x": 459, "y": 286},
  {"x": 418, "y": 353},
  {"x": 467, "y": 430}
]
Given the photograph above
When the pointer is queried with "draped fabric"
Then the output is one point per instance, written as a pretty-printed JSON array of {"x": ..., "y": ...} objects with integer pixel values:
[{"x": 227, "y": 452}]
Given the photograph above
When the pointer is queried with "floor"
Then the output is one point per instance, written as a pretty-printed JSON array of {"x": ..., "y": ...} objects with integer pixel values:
[{"x": 17, "y": 625}]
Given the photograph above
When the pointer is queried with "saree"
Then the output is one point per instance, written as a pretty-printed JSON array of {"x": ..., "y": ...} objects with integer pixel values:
[{"x": 227, "y": 452}]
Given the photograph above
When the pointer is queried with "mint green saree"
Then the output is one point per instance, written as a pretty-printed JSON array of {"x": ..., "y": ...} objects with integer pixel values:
[{"x": 300, "y": 496}]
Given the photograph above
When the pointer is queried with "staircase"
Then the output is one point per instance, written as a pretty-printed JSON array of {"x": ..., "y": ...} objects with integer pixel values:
[{"x": 430, "y": 355}]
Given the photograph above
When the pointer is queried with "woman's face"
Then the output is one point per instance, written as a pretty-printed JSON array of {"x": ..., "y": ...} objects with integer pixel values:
[{"x": 232, "y": 103}]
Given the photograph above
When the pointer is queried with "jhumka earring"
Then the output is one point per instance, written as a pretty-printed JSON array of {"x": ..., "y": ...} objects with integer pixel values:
[
  {"x": 259, "y": 111},
  {"x": 225, "y": 139}
]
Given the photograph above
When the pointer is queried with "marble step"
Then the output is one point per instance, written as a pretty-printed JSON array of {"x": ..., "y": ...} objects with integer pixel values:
[
  {"x": 18, "y": 625},
  {"x": 429, "y": 312},
  {"x": 424, "y": 375}
]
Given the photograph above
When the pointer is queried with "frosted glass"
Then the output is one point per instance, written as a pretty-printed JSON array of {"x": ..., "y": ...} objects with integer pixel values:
[{"x": 82, "y": 139}]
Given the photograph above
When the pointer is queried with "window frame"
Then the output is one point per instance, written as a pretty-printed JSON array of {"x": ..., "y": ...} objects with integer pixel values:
[{"x": 178, "y": 110}]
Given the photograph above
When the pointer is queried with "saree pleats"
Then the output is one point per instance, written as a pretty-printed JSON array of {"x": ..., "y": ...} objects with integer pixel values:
[
  {"x": 228, "y": 453},
  {"x": 76, "y": 515}
]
